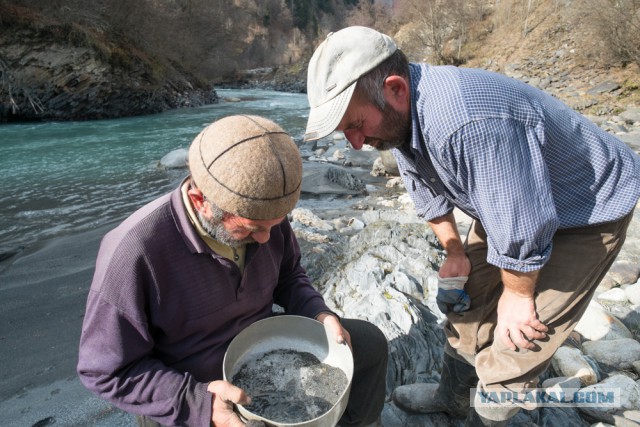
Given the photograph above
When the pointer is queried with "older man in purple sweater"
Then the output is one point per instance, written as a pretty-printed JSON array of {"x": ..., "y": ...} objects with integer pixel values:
[{"x": 182, "y": 276}]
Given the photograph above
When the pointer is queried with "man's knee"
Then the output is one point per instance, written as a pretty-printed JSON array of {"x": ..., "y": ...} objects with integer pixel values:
[{"x": 367, "y": 340}]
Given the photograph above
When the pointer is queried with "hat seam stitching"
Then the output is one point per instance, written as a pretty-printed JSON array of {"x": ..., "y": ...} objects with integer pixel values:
[
  {"x": 276, "y": 154},
  {"x": 233, "y": 146},
  {"x": 246, "y": 196}
]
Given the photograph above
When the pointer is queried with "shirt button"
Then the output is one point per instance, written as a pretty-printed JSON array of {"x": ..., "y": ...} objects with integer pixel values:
[{"x": 432, "y": 179}]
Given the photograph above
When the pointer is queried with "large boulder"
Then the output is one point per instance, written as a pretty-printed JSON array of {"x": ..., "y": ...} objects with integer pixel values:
[
  {"x": 389, "y": 163},
  {"x": 386, "y": 276}
]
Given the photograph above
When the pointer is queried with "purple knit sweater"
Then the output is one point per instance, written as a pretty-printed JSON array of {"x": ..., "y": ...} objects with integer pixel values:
[{"x": 163, "y": 308}]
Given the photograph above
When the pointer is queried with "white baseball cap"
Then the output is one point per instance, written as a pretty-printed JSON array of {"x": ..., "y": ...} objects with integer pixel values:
[{"x": 334, "y": 69}]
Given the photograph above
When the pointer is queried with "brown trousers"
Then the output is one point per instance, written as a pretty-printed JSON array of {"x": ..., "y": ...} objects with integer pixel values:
[{"x": 580, "y": 258}]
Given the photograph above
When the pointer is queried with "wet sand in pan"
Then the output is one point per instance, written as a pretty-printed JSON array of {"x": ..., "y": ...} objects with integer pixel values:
[{"x": 289, "y": 386}]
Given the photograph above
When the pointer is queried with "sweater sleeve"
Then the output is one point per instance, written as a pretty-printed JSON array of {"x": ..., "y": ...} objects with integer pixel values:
[{"x": 116, "y": 358}]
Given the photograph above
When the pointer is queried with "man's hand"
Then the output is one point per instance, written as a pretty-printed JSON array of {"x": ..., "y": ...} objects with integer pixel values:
[
  {"x": 452, "y": 277},
  {"x": 451, "y": 294},
  {"x": 518, "y": 322},
  {"x": 341, "y": 334},
  {"x": 455, "y": 265},
  {"x": 224, "y": 396}
]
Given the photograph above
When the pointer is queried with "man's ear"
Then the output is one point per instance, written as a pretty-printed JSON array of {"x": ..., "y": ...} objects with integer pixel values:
[
  {"x": 196, "y": 197},
  {"x": 397, "y": 92}
]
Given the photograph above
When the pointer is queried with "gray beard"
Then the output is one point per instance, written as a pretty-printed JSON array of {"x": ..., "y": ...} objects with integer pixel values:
[{"x": 216, "y": 230}]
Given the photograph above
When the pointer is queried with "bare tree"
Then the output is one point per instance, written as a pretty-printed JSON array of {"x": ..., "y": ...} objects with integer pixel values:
[
  {"x": 518, "y": 12},
  {"x": 370, "y": 14},
  {"x": 616, "y": 25},
  {"x": 16, "y": 92},
  {"x": 441, "y": 26}
]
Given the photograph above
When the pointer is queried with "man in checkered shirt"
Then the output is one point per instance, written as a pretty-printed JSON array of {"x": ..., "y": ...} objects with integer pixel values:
[{"x": 550, "y": 193}]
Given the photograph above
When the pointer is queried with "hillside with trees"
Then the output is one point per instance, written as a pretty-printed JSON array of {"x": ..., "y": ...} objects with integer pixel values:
[{"x": 72, "y": 59}]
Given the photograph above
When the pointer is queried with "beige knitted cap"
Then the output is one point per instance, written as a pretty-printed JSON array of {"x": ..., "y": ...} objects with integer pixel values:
[{"x": 247, "y": 166}]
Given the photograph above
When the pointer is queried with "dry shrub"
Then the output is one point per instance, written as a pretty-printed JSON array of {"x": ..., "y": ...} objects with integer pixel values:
[
  {"x": 613, "y": 29},
  {"x": 437, "y": 30}
]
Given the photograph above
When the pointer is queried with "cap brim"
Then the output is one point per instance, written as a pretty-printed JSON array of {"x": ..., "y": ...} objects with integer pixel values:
[{"x": 325, "y": 118}]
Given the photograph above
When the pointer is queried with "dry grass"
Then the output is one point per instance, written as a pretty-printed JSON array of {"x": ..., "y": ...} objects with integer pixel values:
[{"x": 507, "y": 38}]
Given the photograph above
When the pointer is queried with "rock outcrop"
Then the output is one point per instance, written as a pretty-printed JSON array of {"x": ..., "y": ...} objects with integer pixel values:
[
  {"x": 51, "y": 71},
  {"x": 384, "y": 270}
]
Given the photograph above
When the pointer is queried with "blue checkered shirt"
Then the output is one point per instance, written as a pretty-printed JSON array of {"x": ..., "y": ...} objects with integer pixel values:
[{"x": 513, "y": 157}]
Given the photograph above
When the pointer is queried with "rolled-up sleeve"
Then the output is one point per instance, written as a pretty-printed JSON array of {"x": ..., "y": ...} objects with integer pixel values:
[{"x": 500, "y": 162}]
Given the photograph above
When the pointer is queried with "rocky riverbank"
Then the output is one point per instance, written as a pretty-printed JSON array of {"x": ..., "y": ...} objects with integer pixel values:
[
  {"x": 283, "y": 79},
  {"x": 369, "y": 255}
]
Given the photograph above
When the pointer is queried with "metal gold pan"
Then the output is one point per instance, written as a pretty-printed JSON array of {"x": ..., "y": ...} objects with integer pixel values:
[{"x": 295, "y": 333}]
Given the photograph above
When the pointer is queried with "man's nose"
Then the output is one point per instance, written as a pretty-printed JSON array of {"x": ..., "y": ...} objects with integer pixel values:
[
  {"x": 355, "y": 138},
  {"x": 261, "y": 236}
]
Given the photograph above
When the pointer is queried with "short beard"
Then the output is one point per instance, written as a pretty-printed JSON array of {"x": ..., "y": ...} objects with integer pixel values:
[
  {"x": 215, "y": 228},
  {"x": 398, "y": 126}
]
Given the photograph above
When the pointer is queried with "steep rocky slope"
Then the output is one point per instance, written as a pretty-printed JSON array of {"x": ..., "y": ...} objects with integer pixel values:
[
  {"x": 50, "y": 71},
  {"x": 55, "y": 71},
  {"x": 553, "y": 50}
]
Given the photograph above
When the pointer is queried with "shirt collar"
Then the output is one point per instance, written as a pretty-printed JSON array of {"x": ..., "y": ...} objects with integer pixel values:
[
  {"x": 416, "y": 144},
  {"x": 234, "y": 254},
  {"x": 183, "y": 222}
]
